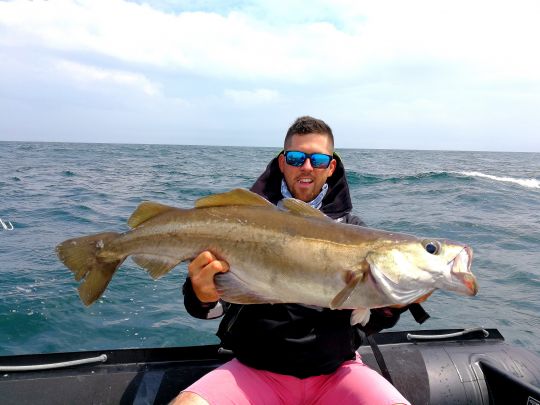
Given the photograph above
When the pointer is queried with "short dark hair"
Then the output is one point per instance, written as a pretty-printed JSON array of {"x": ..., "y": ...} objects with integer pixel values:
[{"x": 309, "y": 125}]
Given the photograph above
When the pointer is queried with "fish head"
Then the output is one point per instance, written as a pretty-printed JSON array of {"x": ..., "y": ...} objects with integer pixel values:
[{"x": 410, "y": 269}]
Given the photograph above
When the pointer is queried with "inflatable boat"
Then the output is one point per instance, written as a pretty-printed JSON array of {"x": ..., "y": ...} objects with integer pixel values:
[{"x": 472, "y": 366}]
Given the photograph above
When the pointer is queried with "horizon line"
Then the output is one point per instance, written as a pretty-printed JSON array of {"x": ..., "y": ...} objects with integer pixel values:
[{"x": 268, "y": 147}]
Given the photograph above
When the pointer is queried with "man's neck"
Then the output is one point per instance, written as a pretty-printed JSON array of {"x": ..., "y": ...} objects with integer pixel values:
[{"x": 315, "y": 203}]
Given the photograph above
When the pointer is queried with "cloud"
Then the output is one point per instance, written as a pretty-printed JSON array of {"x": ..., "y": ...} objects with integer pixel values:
[
  {"x": 210, "y": 44},
  {"x": 457, "y": 69},
  {"x": 254, "y": 41},
  {"x": 90, "y": 75}
]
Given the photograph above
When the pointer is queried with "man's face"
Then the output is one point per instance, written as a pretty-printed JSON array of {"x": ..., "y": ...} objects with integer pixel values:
[{"x": 305, "y": 182}]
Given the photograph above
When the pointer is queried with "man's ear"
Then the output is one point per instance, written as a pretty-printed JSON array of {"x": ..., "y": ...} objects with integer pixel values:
[
  {"x": 332, "y": 167},
  {"x": 281, "y": 162}
]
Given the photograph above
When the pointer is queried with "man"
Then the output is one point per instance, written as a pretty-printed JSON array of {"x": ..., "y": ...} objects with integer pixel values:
[{"x": 289, "y": 353}]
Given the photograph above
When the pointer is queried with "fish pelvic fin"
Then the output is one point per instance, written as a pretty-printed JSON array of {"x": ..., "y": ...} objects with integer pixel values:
[
  {"x": 81, "y": 256},
  {"x": 147, "y": 210},
  {"x": 238, "y": 196},
  {"x": 361, "y": 316},
  {"x": 156, "y": 266},
  {"x": 298, "y": 207}
]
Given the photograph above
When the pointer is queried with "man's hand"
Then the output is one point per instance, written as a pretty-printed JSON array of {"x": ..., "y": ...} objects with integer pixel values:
[{"x": 202, "y": 271}]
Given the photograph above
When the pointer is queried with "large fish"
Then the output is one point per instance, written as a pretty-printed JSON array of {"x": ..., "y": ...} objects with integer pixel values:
[{"x": 293, "y": 254}]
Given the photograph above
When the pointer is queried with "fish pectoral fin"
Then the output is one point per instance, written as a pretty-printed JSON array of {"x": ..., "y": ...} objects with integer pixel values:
[
  {"x": 298, "y": 207},
  {"x": 361, "y": 316},
  {"x": 238, "y": 196},
  {"x": 346, "y": 292},
  {"x": 156, "y": 266},
  {"x": 232, "y": 289},
  {"x": 147, "y": 210}
]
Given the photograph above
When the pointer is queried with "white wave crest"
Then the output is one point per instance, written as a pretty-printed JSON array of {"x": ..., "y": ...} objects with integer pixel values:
[{"x": 529, "y": 183}]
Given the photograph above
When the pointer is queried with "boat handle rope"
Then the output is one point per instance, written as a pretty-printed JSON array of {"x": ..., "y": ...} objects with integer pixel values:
[
  {"x": 99, "y": 359},
  {"x": 411, "y": 336}
]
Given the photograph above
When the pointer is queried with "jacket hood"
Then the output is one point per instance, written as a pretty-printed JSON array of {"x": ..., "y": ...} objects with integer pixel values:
[{"x": 335, "y": 204}]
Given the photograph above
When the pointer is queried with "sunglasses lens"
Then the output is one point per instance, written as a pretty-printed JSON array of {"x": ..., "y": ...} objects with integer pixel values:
[
  {"x": 319, "y": 160},
  {"x": 295, "y": 158}
]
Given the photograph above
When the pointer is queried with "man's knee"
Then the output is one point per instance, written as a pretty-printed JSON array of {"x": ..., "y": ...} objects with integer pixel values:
[{"x": 188, "y": 398}]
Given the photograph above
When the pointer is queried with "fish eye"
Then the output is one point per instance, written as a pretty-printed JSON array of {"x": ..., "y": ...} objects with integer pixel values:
[{"x": 432, "y": 246}]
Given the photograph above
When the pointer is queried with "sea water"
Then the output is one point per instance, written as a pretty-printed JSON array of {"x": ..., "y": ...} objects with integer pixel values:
[{"x": 50, "y": 192}]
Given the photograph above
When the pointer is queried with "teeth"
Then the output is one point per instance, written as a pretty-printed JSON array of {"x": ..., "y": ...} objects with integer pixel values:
[{"x": 305, "y": 180}]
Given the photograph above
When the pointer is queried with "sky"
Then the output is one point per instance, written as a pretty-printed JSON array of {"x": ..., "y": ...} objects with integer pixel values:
[{"x": 416, "y": 74}]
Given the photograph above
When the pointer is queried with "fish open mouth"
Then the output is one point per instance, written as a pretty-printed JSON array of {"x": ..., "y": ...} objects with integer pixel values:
[{"x": 460, "y": 273}]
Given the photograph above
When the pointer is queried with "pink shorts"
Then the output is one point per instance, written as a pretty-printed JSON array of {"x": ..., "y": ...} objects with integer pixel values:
[{"x": 352, "y": 383}]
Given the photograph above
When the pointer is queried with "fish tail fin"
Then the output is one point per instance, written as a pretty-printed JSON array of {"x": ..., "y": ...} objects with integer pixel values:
[{"x": 82, "y": 257}]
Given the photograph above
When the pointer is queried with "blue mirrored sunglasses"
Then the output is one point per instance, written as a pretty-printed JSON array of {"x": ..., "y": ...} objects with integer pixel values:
[{"x": 297, "y": 159}]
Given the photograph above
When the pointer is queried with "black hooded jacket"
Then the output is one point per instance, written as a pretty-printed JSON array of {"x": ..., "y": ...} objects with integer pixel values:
[{"x": 294, "y": 339}]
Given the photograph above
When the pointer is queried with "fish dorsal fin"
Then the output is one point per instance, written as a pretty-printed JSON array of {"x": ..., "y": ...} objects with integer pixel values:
[
  {"x": 145, "y": 211},
  {"x": 238, "y": 196},
  {"x": 301, "y": 208}
]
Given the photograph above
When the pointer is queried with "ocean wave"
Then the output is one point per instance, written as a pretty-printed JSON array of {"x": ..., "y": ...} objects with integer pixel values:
[
  {"x": 529, "y": 183},
  {"x": 355, "y": 178}
]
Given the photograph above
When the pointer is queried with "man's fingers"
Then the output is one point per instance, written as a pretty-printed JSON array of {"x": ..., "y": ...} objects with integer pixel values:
[
  {"x": 205, "y": 276},
  {"x": 217, "y": 266},
  {"x": 201, "y": 261},
  {"x": 202, "y": 271}
]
